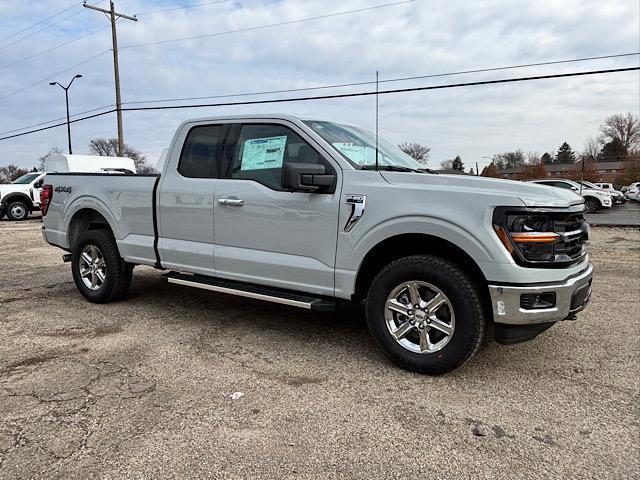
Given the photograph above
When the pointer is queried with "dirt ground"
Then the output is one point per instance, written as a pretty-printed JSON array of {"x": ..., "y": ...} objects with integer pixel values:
[{"x": 176, "y": 382}]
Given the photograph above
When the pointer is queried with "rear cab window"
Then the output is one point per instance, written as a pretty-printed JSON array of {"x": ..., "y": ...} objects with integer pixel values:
[{"x": 202, "y": 150}]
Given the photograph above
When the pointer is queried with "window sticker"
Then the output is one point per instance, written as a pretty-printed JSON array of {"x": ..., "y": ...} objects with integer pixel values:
[
  {"x": 261, "y": 153},
  {"x": 359, "y": 154}
]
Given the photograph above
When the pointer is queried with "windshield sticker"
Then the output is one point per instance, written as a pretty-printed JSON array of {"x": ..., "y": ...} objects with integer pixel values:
[
  {"x": 261, "y": 153},
  {"x": 359, "y": 154}
]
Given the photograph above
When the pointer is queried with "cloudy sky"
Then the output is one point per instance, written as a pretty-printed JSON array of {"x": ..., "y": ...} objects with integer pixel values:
[{"x": 423, "y": 37}]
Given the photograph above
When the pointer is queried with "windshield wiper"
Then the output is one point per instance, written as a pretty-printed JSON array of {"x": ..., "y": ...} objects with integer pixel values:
[{"x": 393, "y": 168}]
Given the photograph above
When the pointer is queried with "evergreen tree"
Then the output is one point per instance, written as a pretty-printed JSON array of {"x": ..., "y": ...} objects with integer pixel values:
[
  {"x": 565, "y": 154},
  {"x": 546, "y": 159},
  {"x": 457, "y": 164}
]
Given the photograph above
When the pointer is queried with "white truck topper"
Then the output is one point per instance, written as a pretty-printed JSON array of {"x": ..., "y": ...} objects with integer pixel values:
[{"x": 59, "y": 163}]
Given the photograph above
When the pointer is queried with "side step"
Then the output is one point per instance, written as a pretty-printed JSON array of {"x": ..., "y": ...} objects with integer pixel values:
[{"x": 257, "y": 292}]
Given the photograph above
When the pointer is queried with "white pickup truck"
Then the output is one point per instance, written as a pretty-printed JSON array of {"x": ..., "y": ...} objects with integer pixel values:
[
  {"x": 22, "y": 196},
  {"x": 306, "y": 213}
]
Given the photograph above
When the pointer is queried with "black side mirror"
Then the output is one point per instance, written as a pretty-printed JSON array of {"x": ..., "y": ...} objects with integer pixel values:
[
  {"x": 306, "y": 177},
  {"x": 38, "y": 184}
]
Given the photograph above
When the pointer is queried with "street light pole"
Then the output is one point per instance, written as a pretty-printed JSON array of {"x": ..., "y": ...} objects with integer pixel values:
[{"x": 66, "y": 97}]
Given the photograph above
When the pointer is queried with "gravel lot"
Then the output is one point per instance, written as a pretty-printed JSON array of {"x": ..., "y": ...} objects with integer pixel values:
[{"x": 143, "y": 388}]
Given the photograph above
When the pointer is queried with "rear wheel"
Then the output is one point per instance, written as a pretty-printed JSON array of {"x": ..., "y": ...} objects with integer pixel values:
[
  {"x": 426, "y": 314},
  {"x": 98, "y": 271},
  {"x": 17, "y": 210},
  {"x": 592, "y": 204}
]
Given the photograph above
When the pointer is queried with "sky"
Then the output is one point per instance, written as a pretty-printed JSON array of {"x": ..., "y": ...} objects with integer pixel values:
[{"x": 415, "y": 38}]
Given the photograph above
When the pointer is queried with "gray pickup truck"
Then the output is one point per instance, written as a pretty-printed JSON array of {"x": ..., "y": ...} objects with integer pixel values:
[{"x": 307, "y": 213}]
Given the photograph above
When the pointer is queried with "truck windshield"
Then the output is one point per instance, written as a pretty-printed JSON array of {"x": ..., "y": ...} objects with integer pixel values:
[
  {"x": 27, "y": 178},
  {"x": 358, "y": 146}
]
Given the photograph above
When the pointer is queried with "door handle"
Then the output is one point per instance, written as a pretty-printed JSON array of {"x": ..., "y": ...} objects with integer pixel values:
[{"x": 231, "y": 202}]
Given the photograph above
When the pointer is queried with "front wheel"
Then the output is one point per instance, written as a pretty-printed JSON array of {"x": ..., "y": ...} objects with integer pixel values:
[
  {"x": 98, "y": 271},
  {"x": 17, "y": 211},
  {"x": 426, "y": 314}
]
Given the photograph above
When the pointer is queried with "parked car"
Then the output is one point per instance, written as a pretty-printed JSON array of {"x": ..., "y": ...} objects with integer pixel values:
[
  {"x": 22, "y": 196},
  {"x": 633, "y": 191},
  {"x": 306, "y": 213},
  {"x": 595, "y": 198},
  {"x": 616, "y": 195}
]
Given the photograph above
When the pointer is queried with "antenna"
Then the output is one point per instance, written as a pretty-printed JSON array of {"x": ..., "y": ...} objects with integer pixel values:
[{"x": 377, "y": 113}]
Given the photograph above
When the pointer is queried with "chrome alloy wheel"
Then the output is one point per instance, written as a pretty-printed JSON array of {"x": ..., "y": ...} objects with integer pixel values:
[
  {"x": 419, "y": 317},
  {"x": 92, "y": 267}
]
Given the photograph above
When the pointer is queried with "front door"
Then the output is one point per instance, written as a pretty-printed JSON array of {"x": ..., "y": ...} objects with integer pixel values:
[{"x": 265, "y": 234}]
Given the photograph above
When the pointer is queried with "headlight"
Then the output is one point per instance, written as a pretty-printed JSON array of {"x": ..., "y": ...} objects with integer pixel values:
[{"x": 541, "y": 238}]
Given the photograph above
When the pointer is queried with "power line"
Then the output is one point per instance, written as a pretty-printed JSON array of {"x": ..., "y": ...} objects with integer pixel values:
[
  {"x": 58, "y": 119},
  {"x": 391, "y": 80},
  {"x": 40, "y": 22},
  {"x": 53, "y": 48},
  {"x": 399, "y": 90},
  {"x": 46, "y": 27},
  {"x": 54, "y": 74},
  {"x": 323, "y": 87},
  {"x": 344, "y": 95},
  {"x": 183, "y": 7},
  {"x": 261, "y": 27}
]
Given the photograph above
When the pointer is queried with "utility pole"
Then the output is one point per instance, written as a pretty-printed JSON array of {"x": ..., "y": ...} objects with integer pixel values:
[
  {"x": 66, "y": 97},
  {"x": 112, "y": 15}
]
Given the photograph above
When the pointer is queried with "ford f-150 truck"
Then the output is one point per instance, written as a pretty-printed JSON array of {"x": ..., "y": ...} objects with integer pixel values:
[{"x": 307, "y": 213}]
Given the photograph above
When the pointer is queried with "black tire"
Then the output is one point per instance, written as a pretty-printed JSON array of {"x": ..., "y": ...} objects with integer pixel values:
[
  {"x": 17, "y": 210},
  {"x": 2, "y": 211},
  {"x": 117, "y": 272},
  {"x": 592, "y": 204},
  {"x": 464, "y": 298}
]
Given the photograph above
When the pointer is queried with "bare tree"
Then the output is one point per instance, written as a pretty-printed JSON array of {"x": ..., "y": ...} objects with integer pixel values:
[
  {"x": 591, "y": 150},
  {"x": 9, "y": 173},
  {"x": 52, "y": 151},
  {"x": 446, "y": 165},
  {"x": 420, "y": 153},
  {"x": 533, "y": 158},
  {"x": 108, "y": 147},
  {"x": 622, "y": 127},
  {"x": 509, "y": 159}
]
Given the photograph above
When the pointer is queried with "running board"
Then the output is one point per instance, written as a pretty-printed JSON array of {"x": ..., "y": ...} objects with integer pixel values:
[{"x": 249, "y": 290}]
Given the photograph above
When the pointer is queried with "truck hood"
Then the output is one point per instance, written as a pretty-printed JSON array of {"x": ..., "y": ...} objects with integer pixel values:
[{"x": 532, "y": 195}]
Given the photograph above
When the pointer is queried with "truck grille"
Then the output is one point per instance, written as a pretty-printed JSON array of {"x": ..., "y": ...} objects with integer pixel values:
[{"x": 575, "y": 232}]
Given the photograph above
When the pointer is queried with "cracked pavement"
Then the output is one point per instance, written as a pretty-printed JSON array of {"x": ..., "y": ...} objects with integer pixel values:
[{"x": 148, "y": 387}]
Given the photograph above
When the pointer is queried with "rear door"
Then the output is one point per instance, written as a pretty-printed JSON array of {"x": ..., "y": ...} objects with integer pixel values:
[
  {"x": 186, "y": 199},
  {"x": 265, "y": 234}
]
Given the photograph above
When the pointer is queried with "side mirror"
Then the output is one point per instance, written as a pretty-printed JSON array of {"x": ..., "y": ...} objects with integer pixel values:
[
  {"x": 306, "y": 177},
  {"x": 38, "y": 184},
  {"x": 575, "y": 189}
]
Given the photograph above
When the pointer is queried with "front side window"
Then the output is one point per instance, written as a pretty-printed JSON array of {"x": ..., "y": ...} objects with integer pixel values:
[
  {"x": 201, "y": 151},
  {"x": 262, "y": 150}
]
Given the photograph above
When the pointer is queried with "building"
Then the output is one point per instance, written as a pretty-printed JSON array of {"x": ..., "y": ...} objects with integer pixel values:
[{"x": 605, "y": 170}]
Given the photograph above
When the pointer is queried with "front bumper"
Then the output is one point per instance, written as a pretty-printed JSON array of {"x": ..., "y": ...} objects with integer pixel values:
[{"x": 571, "y": 296}]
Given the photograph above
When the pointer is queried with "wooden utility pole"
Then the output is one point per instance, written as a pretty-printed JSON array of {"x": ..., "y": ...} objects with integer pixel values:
[{"x": 112, "y": 15}]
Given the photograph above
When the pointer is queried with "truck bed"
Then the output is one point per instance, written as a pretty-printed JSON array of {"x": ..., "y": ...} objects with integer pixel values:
[{"x": 127, "y": 203}]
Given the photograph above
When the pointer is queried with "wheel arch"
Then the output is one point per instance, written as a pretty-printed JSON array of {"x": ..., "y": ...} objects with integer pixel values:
[
  {"x": 408, "y": 244},
  {"x": 85, "y": 219},
  {"x": 12, "y": 197}
]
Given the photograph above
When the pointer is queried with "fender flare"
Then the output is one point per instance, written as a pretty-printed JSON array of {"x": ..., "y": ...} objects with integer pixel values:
[
  {"x": 88, "y": 202},
  {"x": 17, "y": 196}
]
